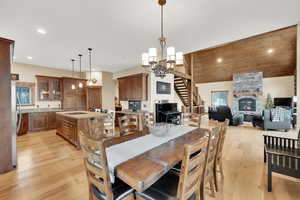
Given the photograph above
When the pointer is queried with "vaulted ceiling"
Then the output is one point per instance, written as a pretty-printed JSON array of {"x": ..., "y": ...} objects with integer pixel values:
[
  {"x": 120, "y": 30},
  {"x": 273, "y": 53}
]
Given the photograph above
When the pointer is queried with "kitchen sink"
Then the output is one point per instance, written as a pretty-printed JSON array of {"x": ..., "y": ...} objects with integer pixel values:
[{"x": 76, "y": 113}]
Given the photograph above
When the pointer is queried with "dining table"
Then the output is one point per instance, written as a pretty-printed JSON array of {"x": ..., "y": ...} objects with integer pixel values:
[{"x": 143, "y": 170}]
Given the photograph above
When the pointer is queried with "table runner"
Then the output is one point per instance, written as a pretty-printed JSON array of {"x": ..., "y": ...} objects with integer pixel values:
[{"x": 122, "y": 152}]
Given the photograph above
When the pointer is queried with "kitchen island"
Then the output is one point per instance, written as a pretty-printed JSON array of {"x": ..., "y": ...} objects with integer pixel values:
[{"x": 68, "y": 124}]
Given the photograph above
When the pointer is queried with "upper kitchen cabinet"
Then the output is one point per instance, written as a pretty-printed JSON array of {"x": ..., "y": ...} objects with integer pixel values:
[
  {"x": 49, "y": 88},
  {"x": 74, "y": 98},
  {"x": 133, "y": 87}
]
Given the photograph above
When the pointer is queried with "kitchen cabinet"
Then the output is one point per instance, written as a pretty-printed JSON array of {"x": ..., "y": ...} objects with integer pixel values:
[
  {"x": 73, "y": 99},
  {"x": 38, "y": 121},
  {"x": 133, "y": 87},
  {"x": 94, "y": 97},
  {"x": 49, "y": 88}
]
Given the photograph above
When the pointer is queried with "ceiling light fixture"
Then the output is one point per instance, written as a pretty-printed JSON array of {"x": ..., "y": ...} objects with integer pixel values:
[
  {"x": 161, "y": 64},
  {"x": 29, "y": 57},
  {"x": 41, "y": 31},
  {"x": 73, "y": 85},
  {"x": 80, "y": 85},
  {"x": 270, "y": 51},
  {"x": 90, "y": 82},
  {"x": 219, "y": 60}
]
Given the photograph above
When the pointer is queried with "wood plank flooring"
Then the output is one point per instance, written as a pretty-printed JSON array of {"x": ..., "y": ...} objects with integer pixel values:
[{"x": 50, "y": 168}]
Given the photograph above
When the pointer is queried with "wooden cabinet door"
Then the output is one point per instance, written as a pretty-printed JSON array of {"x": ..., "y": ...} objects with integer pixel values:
[
  {"x": 94, "y": 99},
  {"x": 43, "y": 84},
  {"x": 56, "y": 90},
  {"x": 136, "y": 88},
  {"x": 69, "y": 102},
  {"x": 81, "y": 102},
  {"x": 122, "y": 89},
  {"x": 51, "y": 120},
  {"x": 38, "y": 121},
  {"x": 59, "y": 124}
]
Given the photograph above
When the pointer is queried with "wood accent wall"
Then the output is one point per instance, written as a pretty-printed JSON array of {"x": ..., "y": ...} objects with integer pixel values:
[
  {"x": 248, "y": 55},
  {"x": 5, "y": 107}
]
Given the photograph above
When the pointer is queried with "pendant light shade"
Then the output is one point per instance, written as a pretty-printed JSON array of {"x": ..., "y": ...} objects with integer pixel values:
[
  {"x": 73, "y": 86},
  {"x": 80, "y": 85}
]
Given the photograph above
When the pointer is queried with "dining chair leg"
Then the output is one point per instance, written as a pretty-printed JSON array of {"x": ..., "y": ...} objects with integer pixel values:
[
  {"x": 212, "y": 188},
  {"x": 215, "y": 177},
  {"x": 202, "y": 191},
  {"x": 221, "y": 168},
  {"x": 197, "y": 193}
]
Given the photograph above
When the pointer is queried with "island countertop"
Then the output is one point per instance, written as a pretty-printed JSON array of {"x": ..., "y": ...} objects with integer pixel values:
[
  {"x": 80, "y": 114},
  {"x": 38, "y": 110}
]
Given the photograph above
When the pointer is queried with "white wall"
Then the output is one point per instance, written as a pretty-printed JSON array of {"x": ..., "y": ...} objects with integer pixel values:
[
  {"x": 108, "y": 91},
  {"x": 28, "y": 72},
  {"x": 276, "y": 86},
  {"x": 152, "y": 96}
]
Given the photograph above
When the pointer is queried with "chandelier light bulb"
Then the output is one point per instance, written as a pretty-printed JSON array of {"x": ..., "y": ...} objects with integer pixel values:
[
  {"x": 152, "y": 55},
  {"x": 145, "y": 59},
  {"x": 80, "y": 85},
  {"x": 73, "y": 87},
  {"x": 179, "y": 58}
]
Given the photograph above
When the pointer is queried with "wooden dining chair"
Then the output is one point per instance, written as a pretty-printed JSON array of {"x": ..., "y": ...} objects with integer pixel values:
[
  {"x": 187, "y": 185},
  {"x": 148, "y": 119},
  {"x": 128, "y": 124},
  {"x": 95, "y": 161},
  {"x": 212, "y": 152},
  {"x": 218, "y": 157},
  {"x": 191, "y": 119},
  {"x": 98, "y": 127}
]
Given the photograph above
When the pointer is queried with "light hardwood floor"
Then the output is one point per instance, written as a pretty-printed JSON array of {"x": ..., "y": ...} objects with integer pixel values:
[{"x": 51, "y": 168}]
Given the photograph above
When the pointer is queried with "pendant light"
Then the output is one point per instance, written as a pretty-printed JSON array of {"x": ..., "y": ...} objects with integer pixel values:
[
  {"x": 80, "y": 83},
  {"x": 90, "y": 82},
  {"x": 73, "y": 86}
]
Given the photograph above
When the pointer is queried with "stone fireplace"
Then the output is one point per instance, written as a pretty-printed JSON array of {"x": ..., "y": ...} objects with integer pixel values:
[{"x": 248, "y": 92}]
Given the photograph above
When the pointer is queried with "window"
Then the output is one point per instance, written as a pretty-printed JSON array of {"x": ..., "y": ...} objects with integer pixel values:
[
  {"x": 25, "y": 92},
  {"x": 219, "y": 98}
]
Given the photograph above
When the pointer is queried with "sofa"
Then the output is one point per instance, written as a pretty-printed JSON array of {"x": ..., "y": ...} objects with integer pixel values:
[
  {"x": 284, "y": 123},
  {"x": 220, "y": 113}
]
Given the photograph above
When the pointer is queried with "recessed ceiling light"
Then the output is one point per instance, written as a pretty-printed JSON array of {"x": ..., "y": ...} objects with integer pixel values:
[
  {"x": 41, "y": 31},
  {"x": 219, "y": 60},
  {"x": 29, "y": 57},
  {"x": 270, "y": 51}
]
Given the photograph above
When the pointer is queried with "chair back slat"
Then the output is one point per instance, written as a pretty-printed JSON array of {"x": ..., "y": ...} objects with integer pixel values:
[
  {"x": 192, "y": 168},
  {"x": 212, "y": 151},
  {"x": 222, "y": 139},
  {"x": 95, "y": 161},
  {"x": 128, "y": 124},
  {"x": 148, "y": 119}
]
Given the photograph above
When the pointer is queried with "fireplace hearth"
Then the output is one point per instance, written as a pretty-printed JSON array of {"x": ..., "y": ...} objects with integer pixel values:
[{"x": 247, "y": 104}]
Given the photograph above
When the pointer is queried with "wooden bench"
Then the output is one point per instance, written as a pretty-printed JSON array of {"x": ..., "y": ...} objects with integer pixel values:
[{"x": 283, "y": 156}]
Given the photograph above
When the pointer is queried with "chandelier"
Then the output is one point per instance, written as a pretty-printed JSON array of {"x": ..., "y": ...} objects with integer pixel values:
[{"x": 162, "y": 64}]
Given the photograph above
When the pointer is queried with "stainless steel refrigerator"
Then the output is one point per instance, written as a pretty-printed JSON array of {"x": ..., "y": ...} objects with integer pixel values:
[{"x": 16, "y": 120}]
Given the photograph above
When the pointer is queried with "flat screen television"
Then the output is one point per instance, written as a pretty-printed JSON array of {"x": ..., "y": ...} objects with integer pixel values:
[
  {"x": 163, "y": 87},
  {"x": 283, "y": 102}
]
